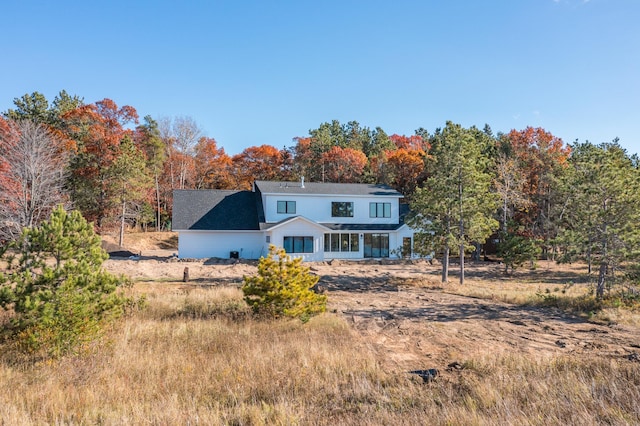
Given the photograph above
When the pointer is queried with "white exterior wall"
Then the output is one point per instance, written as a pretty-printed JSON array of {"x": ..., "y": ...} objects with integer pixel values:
[
  {"x": 395, "y": 245},
  {"x": 205, "y": 244},
  {"x": 318, "y": 208},
  {"x": 300, "y": 228}
]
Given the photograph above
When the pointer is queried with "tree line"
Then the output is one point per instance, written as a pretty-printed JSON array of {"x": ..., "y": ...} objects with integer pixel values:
[{"x": 526, "y": 190}]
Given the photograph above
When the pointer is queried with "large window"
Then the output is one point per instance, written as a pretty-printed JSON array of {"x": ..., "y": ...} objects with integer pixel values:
[
  {"x": 376, "y": 245},
  {"x": 379, "y": 209},
  {"x": 341, "y": 242},
  {"x": 298, "y": 244},
  {"x": 287, "y": 207},
  {"x": 342, "y": 209}
]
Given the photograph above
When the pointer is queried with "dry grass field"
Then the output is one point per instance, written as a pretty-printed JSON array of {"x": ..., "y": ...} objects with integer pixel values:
[{"x": 195, "y": 355}]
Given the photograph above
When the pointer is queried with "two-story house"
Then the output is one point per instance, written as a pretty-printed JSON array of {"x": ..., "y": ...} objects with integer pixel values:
[{"x": 316, "y": 221}]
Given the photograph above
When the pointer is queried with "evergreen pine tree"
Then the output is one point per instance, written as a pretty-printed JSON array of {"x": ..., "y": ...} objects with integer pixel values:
[
  {"x": 454, "y": 208},
  {"x": 283, "y": 287},
  {"x": 60, "y": 296}
]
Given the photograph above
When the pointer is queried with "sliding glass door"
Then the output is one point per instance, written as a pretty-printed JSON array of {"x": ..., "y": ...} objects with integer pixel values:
[{"x": 376, "y": 245}]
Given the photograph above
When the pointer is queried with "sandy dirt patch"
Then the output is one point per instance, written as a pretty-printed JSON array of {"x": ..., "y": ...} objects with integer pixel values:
[{"x": 418, "y": 327}]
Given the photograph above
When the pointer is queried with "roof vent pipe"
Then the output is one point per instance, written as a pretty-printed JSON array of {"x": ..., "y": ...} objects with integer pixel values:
[{"x": 302, "y": 180}]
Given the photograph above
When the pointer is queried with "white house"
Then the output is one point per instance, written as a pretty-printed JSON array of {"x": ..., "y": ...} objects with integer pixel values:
[{"x": 315, "y": 221}]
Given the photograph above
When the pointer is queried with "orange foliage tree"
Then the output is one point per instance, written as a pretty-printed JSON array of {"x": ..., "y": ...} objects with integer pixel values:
[
  {"x": 542, "y": 158},
  {"x": 213, "y": 166},
  {"x": 257, "y": 163},
  {"x": 406, "y": 168},
  {"x": 97, "y": 130},
  {"x": 344, "y": 165},
  {"x": 411, "y": 143}
]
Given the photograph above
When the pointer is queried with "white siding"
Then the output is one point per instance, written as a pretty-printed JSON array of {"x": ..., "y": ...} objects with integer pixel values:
[
  {"x": 318, "y": 208},
  {"x": 205, "y": 244},
  {"x": 300, "y": 228}
]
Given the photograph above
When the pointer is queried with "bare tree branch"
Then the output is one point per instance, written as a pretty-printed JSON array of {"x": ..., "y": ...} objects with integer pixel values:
[{"x": 32, "y": 176}]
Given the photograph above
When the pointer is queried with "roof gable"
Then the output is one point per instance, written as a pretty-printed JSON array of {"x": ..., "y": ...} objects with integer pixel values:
[{"x": 285, "y": 222}]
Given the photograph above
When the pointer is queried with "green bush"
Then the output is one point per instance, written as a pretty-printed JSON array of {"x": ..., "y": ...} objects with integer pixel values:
[
  {"x": 283, "y": 287},
  {"x": 515, "y": 250},
  {"x": 58, "y": 294}
]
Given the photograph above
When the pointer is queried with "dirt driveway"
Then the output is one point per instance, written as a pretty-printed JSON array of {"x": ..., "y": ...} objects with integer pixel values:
[{"x": 418, "y": 327}]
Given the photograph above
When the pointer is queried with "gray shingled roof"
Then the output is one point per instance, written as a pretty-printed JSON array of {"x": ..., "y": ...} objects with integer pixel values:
[
  {"x": 216, "y": 210},
  {"x": 362, "y": 189},
  {"x": 224, "y": 210}
]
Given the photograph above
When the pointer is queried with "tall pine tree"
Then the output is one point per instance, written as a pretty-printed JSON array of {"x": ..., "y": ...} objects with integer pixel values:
[
  {"x": 455, "y": 207},
  {"x": 602, "y": 216}
]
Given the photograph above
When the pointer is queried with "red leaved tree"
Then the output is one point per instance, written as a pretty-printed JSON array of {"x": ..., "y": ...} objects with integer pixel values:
[
  {"x": 541, "y": 158},
  {"x": 406, "y": 168},
  {"x": 344, "y": 165},
  {"x": 97, "y": 130},
  {"x": 257, "y": 163},
  {"x": 213, "y": 167}
]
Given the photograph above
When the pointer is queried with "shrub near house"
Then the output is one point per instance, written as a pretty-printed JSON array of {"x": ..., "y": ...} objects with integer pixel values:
[{"x": 282, "y": 287}]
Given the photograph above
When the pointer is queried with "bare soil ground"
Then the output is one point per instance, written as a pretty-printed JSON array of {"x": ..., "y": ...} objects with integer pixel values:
[{"x": 403, "y": 311}]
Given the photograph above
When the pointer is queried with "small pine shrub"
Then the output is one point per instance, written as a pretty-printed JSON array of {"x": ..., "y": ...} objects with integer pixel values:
[{"x": 283, "y": 287}]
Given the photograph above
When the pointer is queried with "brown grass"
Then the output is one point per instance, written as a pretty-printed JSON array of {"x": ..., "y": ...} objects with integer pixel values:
[{"x": 195, "y": 356}]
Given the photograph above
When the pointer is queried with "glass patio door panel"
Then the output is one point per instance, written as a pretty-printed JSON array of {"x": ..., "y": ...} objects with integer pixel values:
[
  {"x": 367, "y": 245},
  {"x": 384, "y": 245},
  {"x": 376, "y": 245}
]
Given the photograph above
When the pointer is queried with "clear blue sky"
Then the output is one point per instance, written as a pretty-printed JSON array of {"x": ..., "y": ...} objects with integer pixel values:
[{"x": 262, "y": 72}]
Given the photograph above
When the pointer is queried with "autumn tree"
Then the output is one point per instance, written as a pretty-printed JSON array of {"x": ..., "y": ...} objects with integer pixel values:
[
  {"x": 257, "y": 163},
  {"x": 410, "y": 143},
  {"x": 32, "y": 175},
  {"x": 454, "y": 207},
  {"x": 541, "y": 159},
  {"x": 406, "y": 165},
  {"x": 517, "y": 244},
  {"x": 509, "y": 185},
  {"x": 97, "y": 130},
  {"x": 306, "y": 160},
  {"x": 344, "y": 165},
  {"x": 213, "y": 167},
  {"x": 311, "y": 154}
]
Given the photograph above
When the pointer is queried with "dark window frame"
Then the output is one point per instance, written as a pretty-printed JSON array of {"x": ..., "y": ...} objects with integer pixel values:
[
  {"x": 342, "y": 209},
  {"x": 286, "y": 207},
  {"x": 380, "y": 210},
  {"x": 297, "y": 244},
  {"x": 341, "y": 242},
  {"x": 376, "y": 245}
]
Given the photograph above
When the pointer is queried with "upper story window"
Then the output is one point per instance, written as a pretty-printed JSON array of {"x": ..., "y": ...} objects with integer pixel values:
[
  {"x": 379, "y": 209},
  {"x": 287, "y": 207},
  {"x": 341, "y": 209}
]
